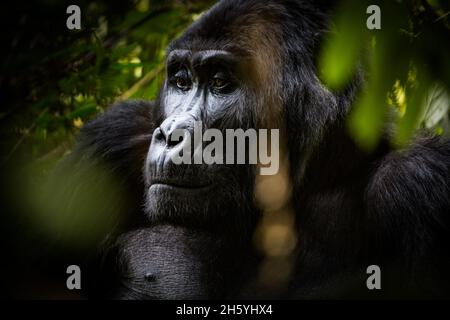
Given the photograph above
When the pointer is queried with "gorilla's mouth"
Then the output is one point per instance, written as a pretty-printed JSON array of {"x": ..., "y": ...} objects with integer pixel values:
[
  {"x": 180, "y": 185},
  {"x": 177, "y": 201}
]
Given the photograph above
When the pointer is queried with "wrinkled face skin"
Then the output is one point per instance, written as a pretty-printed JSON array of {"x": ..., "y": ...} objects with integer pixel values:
[
  {"x": 211, "y": 86},
  {"x": 205, "y": 86},
  {"x": 226, "y": 77}
]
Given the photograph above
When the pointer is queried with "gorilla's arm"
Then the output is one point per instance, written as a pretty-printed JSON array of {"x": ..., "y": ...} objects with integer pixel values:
[
  {"x": 120, "y": 138},
  {"x": 116, "y": 144},
  {"x": 408, "y": 200},
  {"x": 169, "y": 262},
  {"x": 107, "y": 161}
]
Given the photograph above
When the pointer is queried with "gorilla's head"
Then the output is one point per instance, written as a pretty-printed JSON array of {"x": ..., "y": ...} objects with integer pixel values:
[{"x": 243, "y": 64}]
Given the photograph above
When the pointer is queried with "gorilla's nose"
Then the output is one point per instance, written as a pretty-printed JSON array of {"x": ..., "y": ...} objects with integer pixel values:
[{"x": 174, "y": 129}]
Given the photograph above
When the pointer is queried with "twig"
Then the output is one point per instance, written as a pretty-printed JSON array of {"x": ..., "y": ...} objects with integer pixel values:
[
  {"x": 109, "y": 43},
  {"x": 24, "y": 135},
  {"x": 144, "y": 80}
]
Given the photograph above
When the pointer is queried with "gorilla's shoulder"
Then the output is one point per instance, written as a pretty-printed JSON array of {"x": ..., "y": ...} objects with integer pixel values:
[
  {"x": 121, "y": 121},
  {"x": 118, "y": 138},
  {"x": 120, "y": 129},
  {"x": 412, "y": 185}
]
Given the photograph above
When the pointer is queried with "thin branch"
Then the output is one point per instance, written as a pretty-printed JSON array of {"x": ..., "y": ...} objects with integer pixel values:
[
  {"x": 109, "y": 43},
  {"x": 143, "y": 81},
  {"x": 24, "y": 135}
]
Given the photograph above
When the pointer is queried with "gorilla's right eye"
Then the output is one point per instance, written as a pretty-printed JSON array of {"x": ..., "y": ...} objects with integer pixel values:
[{"x": 182, "y": 80}]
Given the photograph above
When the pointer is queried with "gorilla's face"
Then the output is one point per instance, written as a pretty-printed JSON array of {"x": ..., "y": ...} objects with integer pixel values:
[
  {"x": 218, "y": 78},
  {"x": 205, "y": 89}
]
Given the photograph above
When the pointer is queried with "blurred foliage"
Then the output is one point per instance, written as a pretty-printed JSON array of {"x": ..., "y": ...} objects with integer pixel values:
[
  {"x": 407, "y": 63},
  {"x": 77, "y": 217},
  {"x": 53, "y": 79}
]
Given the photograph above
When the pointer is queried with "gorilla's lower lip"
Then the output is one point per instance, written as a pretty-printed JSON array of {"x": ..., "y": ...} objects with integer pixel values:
[{"x": 180, "y": 186}]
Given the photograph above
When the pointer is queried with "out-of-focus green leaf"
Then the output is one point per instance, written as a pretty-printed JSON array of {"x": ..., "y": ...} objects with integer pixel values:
[
  {"x": 78, "y": 208},
  {"x": 437, "y": 106},
  {"x": 415, "y": 108},
  {"x": 342, "y": 48},
  {"x": 82, "y": 112}
]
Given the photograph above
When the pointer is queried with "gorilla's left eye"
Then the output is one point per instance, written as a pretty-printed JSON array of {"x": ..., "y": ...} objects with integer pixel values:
[{"x": 219, "y": 82}]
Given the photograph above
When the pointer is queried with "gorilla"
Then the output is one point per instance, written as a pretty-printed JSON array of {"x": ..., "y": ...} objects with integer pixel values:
[
  {"x": 190, "y": 229},
  {"x": 167, "y": 262}
]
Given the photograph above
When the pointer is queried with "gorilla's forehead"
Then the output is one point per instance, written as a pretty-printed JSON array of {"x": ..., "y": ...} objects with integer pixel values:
[
  {"x": 197, "y": 58},
  {"x": 253, "y": 49},
  {"x": 196, "y": 43},
  {"x": 239, "y": 27}
]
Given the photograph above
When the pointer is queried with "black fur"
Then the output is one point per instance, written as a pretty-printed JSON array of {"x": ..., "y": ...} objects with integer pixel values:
[{"x": 352, "y": 209}]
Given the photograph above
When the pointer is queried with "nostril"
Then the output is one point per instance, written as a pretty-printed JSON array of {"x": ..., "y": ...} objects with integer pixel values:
[
  {"x": 159, "y": 135},
  {"x": 171, "y": 141},
  {"x": 173, "y": 131}
]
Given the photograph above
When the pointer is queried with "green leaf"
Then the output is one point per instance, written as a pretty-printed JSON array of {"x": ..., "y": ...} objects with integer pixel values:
[
  {"x": 341, "y": 51},
  {"x": 83, "y": 112}
]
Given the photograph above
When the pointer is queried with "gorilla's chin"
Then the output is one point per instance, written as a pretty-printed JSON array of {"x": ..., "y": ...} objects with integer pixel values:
[
  {"x": 178, "y": 203},
  {"x": 191, "y": 206},
  {"x": 168, "y": 192}
]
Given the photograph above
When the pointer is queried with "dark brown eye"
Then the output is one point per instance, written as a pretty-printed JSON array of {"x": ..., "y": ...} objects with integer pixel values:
[
  {"x": 181, "y": 80},
  {"x": 181, "y": 83},
  {"x": 218, "y": 83}
]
